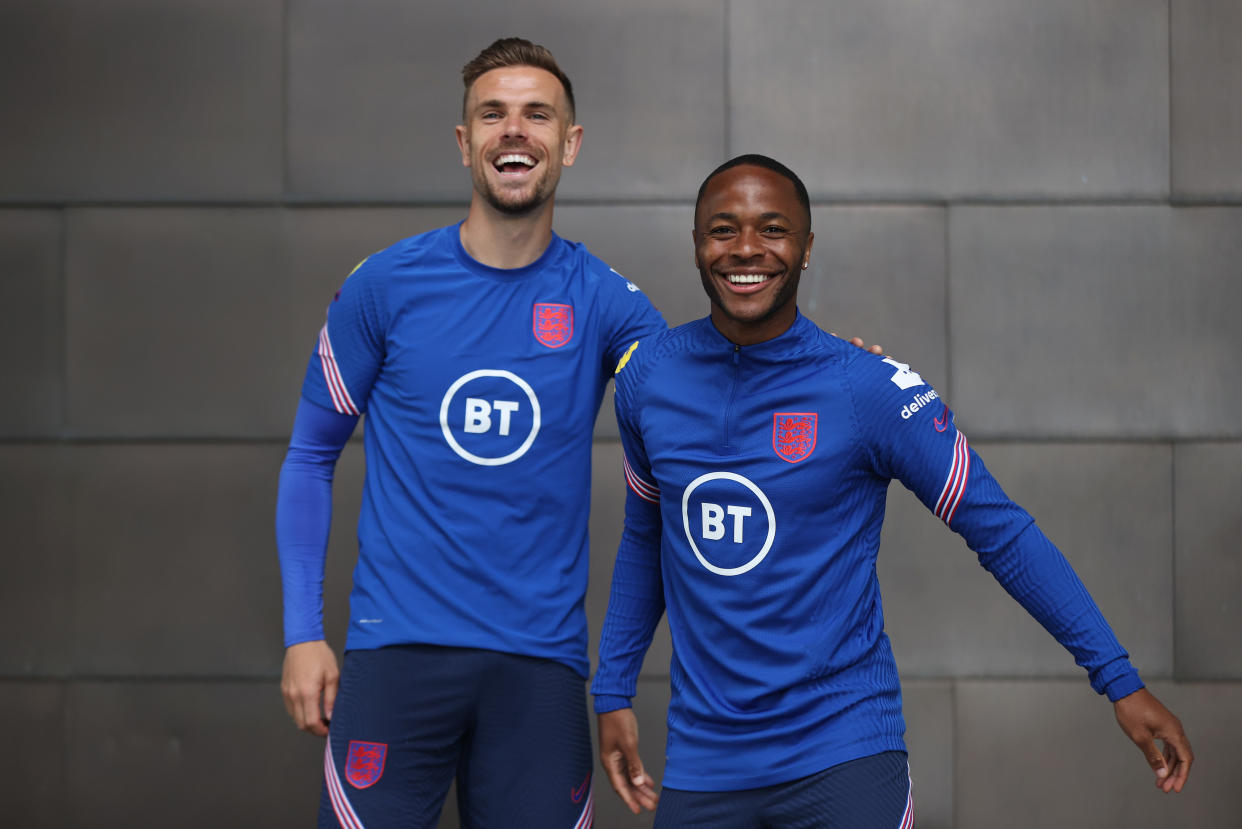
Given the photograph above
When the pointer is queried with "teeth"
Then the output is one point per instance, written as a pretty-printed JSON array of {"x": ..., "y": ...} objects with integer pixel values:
[
  {"x": 745, "y": 278},
  {"x": 514, "y": 158}
]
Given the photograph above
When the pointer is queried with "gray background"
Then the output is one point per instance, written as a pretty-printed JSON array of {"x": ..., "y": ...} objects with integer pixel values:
[{"x": 1038, "y": 205}]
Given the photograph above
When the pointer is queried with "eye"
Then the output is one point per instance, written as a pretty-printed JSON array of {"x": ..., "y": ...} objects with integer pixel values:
[
  {"x": 720, "y": 231},
  {"x": 540, "y": 116},
  {"x": 774, "y": 230},
  {"x": 490, "y": 116}
]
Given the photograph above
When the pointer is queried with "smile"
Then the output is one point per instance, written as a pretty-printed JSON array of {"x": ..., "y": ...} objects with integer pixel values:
[
  {"x": 514, "y": 163},
  {"x": 747, "y": 278}
]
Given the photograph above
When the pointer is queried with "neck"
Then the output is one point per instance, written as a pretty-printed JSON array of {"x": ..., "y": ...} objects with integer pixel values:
[
  {"x": 500, "y": 240},
  {"x": 752, "y": 333}
]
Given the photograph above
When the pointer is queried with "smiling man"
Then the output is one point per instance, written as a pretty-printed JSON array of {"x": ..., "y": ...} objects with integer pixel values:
[
  {"x": 758, "y": 453},
  {"x": 479, "y": 354}
]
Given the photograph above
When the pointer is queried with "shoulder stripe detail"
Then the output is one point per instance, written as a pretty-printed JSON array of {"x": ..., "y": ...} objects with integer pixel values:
[
  {"x": 587, "y": 819},
  {"x": 332, "y": 376},
  {"x": 955, "y": 484},
  {"x": 336, "y": 792},
  {"x": 643, "y": 489}
]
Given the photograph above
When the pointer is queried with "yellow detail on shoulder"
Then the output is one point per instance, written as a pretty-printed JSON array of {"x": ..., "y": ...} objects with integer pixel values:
[
  {"x": 625, "y": 358},
  {"x": 356, "y": 267}
]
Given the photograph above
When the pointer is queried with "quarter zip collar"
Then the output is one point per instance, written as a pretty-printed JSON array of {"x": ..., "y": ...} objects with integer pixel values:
[{"x": 778, "y": 349}]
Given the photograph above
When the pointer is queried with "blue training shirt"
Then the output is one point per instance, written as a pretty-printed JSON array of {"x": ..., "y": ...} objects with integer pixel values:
[
  {"x": 480, "y": 388},
  {"x": 757, "y": 484}
]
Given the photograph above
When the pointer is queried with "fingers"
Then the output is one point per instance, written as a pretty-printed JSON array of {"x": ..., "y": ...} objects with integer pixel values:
[
  {"x": 618, "y": 753},
  {"x": 858, "y": 342},
  {"x": 630, "y": 781},
  {"x": 303, "y": 701},
  {"x": 1178, "y": 758},
  {"x": 1169, "y": 764},
  {"x": 642, "y": 787},
  {"x": 329, "y": 695},
  {"x": 309, "y": 682},
  {"x": 1145, "y": 720},
  {"x": 1154, "y": 758},
  {"x": 614, "y": 765}
]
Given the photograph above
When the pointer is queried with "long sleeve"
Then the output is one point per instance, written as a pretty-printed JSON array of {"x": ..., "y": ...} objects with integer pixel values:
[
  {"x": 913, "y": 437},
  {"x": 636, "y": 599},
  {"x": 304, "y": 515}
]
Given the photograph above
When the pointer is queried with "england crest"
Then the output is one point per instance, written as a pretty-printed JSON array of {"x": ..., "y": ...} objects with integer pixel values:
[
  {"x": 365, "y": 763},
  {"x": 554, "y": 323},
  {"x": 793, "y": 435}
]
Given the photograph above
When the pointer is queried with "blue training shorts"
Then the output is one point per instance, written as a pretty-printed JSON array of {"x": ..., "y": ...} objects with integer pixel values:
[
  {"x": 869, "y": 793},
  {"x": 409, "y": 719}
]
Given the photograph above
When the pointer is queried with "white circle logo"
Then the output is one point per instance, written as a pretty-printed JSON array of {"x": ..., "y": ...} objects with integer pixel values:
[
  {"x": 758, "y": 493},
  {"x": 488, "y": 415}
]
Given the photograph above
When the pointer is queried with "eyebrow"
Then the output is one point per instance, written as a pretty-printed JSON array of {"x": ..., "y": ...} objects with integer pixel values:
[
  {"x": 495, "y": 102},
  {"x": 732, "y": 217}
]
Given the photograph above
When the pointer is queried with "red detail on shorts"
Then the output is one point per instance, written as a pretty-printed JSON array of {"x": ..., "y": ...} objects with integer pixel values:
[{"x": 576, "y": 794}]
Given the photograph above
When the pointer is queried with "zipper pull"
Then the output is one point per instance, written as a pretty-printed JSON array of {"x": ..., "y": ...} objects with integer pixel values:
[{"x": 736, "y": 350}]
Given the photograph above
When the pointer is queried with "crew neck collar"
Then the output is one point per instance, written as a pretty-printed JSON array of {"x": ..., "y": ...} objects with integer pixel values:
[{"x": 470, "y": 263}]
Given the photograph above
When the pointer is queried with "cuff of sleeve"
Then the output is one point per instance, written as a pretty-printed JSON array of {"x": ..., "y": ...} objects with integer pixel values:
[
  {"x": 298, "y": 637},
  {"x": 1123, "y": 686},
  {"x": 609, "y": 702}
]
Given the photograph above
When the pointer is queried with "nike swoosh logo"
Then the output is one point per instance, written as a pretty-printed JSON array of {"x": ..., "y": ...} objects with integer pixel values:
[
  {"x": 578, "y": 791},
  {"x": 941, "y": 423}
]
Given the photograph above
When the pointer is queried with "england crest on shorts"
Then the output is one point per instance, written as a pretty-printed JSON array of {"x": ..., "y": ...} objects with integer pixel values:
[
  {"x": 554, "y": 323},
  {"x": 793, "y": 435},
  {"x": 365, "y": 763}
]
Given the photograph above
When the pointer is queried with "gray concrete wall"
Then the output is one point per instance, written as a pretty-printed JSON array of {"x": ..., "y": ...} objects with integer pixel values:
[{"x": 1038, "y": 205}]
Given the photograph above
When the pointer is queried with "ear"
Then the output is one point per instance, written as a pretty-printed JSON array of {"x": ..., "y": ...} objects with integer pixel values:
[
  {"x": 573, "y": 143},
  {"x": 694, "y": 246},
  {"x": 463, "y": 144},
  {"x": 810, "y": 243}
]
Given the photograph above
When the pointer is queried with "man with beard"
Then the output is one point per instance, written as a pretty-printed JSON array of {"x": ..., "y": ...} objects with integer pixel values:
[
  {"x": 758, "y": 453},
  {"x": 479, "y": 353}
]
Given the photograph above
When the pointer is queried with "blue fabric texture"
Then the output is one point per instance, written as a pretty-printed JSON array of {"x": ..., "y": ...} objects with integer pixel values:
[
  {"x": 479, "y": 388},
  {"x": 758, "y": 479}
]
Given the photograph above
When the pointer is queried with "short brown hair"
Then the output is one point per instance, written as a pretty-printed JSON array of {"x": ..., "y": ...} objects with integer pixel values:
[{"x": 514, "y": 51}]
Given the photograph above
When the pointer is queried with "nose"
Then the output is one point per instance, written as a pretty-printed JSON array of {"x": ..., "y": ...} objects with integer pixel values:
[
  {"x": 747, "y": 244},
  {"x": 514, "y": 125}
]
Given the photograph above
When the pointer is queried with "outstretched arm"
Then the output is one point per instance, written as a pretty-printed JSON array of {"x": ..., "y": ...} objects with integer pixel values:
[
  {"x": 931, "y": 457},
  {"x": 1145, "y": 720}
]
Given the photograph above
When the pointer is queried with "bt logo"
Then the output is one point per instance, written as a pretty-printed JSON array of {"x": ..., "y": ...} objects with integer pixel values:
[
  {"x": 728, "y": 521},
  {"x": 490, "y": 417},
  {"x": 479, "y": 414}
]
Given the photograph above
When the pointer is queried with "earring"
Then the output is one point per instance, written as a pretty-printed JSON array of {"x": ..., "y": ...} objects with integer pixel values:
[{"x": 805, "y": 265}]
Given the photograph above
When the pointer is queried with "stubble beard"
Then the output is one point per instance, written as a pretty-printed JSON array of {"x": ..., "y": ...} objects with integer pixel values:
[{"x": 522, "y": 205}]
